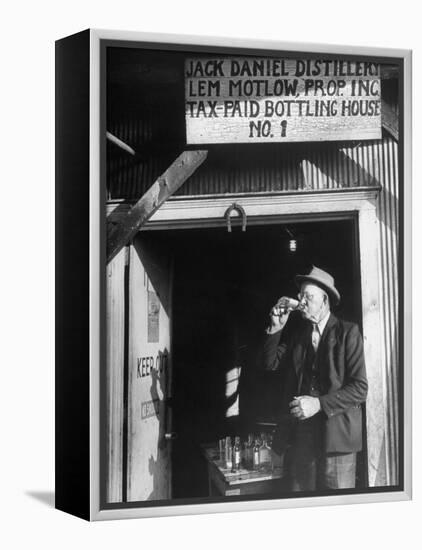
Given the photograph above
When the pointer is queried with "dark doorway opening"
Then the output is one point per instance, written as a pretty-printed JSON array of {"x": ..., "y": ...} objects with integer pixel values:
[{"x": 224, "y": 287}]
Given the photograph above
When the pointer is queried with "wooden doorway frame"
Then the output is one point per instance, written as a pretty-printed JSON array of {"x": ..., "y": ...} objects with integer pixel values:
[{"x": 191, "y": 212}]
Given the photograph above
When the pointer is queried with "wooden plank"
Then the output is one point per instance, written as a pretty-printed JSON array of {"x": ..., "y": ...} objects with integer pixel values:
[
  {"x": 149, "y": 374},
  {"x": 115, "y": 364},
  {"x": 389, "y": 216},
  {"x": 167, "y": 184},
  {"x": 374, "y": 346},
  {"x": 257, "y": 100}
]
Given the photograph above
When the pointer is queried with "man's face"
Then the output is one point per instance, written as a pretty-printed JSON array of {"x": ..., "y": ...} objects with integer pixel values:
[{"x": 313, "y": 301}]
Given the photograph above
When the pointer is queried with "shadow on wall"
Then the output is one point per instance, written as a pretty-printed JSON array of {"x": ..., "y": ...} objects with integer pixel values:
[
  {"x": 347, "y": 172},
  {"x": 156, "y": 259},
  {"x": 158, "y": 467}
]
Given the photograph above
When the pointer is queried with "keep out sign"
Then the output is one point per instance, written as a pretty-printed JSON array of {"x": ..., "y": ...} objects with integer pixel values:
[{"x": 150, "y": 365}]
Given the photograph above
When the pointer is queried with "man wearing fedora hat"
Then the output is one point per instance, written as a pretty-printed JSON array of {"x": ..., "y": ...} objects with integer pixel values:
[{"x": 323, "y": 387}]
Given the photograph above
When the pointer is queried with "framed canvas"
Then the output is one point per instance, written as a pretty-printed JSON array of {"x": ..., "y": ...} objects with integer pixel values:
[{"x": 233, "y": 274}]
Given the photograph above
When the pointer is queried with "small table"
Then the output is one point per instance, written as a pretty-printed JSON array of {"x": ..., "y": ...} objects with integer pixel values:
[{"x": 222, "y": 481}]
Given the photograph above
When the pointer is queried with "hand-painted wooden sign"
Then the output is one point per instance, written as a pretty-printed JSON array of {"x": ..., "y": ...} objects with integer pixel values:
[{"x": 250, "y": 100}]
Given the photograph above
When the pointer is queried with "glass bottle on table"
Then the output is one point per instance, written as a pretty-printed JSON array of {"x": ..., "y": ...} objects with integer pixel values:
[
  {"x": 264, "y": 453},
  {"x": 255, "y": 455},
  {"x": 237, "y": 454},
  {"x": 275, "y": 458},
  {"x": 248, "y": 458},
  {"x": 228, "y": 453},
  {"x": 222, "y": 449}
]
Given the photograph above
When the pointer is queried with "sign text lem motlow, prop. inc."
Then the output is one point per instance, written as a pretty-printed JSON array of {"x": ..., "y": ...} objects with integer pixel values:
[{"x": 251, "y": 100}]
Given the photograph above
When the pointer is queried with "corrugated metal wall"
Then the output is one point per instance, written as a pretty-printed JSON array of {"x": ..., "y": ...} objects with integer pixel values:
[{"x": 252, "y": 169}]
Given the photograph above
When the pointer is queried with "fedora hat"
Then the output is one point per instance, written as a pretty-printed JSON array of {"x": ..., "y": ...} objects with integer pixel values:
[{"x": 322, "y": 279}]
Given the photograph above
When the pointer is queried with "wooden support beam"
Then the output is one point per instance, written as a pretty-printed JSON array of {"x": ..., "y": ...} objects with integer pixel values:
[
  {"x": 167, "y": 184},
  {"x": 390, "y": 120}
]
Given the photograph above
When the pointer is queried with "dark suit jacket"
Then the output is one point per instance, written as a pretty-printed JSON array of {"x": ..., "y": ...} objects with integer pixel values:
[{"x": 341, "y": 365}]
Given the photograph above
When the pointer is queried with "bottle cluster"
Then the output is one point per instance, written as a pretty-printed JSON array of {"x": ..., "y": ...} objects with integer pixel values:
[{"x": 253, "y": 453}]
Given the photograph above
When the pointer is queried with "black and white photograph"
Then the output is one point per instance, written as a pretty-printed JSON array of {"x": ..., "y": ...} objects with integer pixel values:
[
  {"x": 210, "y": 283},
  {"x": 253, "y": 274}
]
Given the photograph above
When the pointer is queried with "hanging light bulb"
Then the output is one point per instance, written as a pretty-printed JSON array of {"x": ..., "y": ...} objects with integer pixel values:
[{"x": 292, "y": 240}]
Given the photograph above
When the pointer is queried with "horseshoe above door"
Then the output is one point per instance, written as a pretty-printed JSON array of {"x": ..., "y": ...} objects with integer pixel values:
[{"x": 241, "y": 211}]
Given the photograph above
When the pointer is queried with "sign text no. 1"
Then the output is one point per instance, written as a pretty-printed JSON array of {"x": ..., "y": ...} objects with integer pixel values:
[{"x": 274, "y": 100}]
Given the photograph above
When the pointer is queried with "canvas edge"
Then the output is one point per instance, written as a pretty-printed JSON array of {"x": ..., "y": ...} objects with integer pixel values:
[{"x": 96, "y": 35}]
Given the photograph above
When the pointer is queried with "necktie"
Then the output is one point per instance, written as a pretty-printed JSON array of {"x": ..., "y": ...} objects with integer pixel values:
[{"x": 315, "y": 336}]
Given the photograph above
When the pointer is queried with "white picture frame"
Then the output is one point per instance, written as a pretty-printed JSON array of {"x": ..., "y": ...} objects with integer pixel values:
[{"x": 189, "y": 212}]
